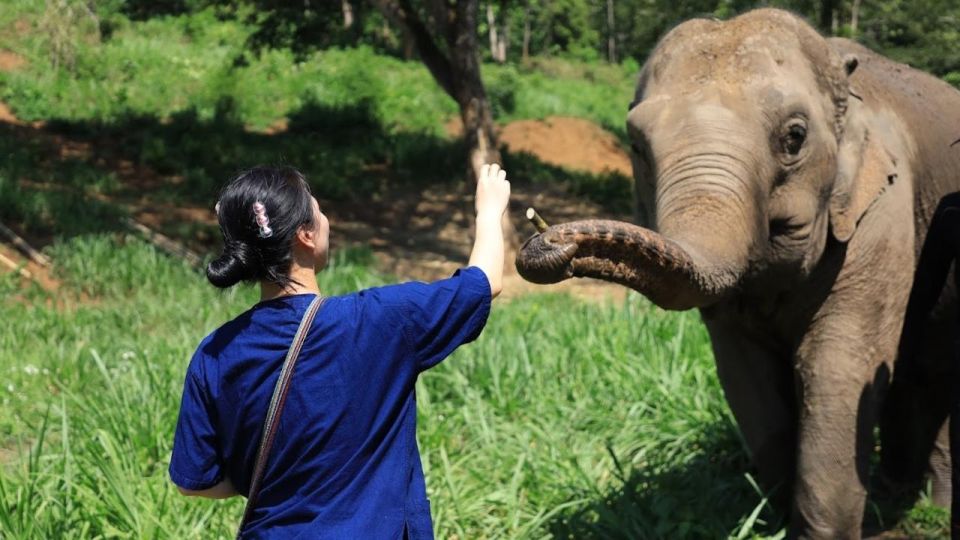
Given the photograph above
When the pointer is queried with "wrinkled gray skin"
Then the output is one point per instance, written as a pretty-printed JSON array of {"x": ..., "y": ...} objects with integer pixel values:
[{"x": 784, "y": 184}]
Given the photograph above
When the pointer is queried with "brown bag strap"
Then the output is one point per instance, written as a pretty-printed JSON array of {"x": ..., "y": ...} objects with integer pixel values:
[{"x": 276, "y": 406}]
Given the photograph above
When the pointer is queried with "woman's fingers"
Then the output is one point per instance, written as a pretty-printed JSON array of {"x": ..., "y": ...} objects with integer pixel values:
[{"x": 493, "y": 190}]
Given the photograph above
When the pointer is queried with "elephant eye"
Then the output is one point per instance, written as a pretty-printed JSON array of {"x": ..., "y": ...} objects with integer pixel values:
[{"x": 793, "y": 139}]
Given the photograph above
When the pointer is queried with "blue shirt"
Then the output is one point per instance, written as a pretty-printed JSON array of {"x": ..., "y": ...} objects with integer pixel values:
[{"x": 345, "y": 462}]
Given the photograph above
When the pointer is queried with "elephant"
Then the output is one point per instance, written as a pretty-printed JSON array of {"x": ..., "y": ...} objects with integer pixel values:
[{"x": 784, "y": 182}]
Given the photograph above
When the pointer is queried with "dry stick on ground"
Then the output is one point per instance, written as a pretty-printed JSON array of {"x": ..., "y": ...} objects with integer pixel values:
[
  {"x": 166, "y": 244},
  {"x": 537, "y": 221},
  {"x": 14, "y": 266},
  {"x": 24, "y": 247}
]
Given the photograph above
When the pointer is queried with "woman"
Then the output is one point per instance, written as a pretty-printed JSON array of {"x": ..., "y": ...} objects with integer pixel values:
[{"x": 344, "y": 463}]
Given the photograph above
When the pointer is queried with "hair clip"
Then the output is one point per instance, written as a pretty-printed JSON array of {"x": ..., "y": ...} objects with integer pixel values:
[{"x": 263, "y": 221}]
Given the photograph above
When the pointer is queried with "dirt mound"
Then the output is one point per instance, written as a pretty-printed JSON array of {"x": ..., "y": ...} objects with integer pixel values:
[
  {"x": 573, "y": 143},
  {"x": 7, "y": 116},
  {"x": 10, "y": 60}
]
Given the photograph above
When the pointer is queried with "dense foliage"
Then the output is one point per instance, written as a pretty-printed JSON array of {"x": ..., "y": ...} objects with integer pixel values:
[{"x": 923, "y": 33}]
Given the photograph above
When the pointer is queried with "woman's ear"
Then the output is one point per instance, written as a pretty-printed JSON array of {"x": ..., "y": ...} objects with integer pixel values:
[{"x": 306, "y": 237}]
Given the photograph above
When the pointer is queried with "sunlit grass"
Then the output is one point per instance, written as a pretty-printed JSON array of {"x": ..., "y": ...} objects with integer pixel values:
[{"x": 565, "y": 418}]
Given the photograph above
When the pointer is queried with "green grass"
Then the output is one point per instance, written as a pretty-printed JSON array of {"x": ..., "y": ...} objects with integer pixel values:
[
  {"x": 546, "y": 426},
  {"x": 164, "y": 66}
]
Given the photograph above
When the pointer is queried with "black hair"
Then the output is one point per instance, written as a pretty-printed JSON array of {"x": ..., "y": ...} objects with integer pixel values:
[{"x": 248, "y": 254}]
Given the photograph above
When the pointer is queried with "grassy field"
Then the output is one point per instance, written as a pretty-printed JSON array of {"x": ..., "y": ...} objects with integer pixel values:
[
  {"x": 544, "y": 426},
  {"x": 165, "y": 66}
]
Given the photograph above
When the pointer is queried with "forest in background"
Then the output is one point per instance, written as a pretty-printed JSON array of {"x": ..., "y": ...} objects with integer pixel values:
[{"x": 922, "y": 33}]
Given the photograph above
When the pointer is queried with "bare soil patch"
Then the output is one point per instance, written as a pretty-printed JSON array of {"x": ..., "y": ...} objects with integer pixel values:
[
  {"x": 10, "y": 60},
  {"x": 6, "y": 115},
  {"x": 572, "y": 143}
]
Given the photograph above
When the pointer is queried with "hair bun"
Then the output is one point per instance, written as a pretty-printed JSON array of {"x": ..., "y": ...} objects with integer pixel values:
[{"x": 231, "y": 267}]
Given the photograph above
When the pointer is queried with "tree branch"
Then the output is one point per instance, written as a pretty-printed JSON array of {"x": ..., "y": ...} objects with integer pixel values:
[
  {"x": 402, "y": 15},
  {"x": 24, "y": 247}
]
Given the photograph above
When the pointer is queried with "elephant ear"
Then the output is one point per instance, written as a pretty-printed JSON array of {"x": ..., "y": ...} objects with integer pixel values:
[{"x": 864, "y": 170}]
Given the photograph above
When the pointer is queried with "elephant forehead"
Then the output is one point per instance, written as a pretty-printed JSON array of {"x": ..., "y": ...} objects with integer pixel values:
[{"x": 730, "y": 53}]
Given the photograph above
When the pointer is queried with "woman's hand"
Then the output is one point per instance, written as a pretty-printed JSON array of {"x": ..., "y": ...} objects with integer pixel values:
[
  {"x": 493, "y": 191},
  {"x": 493, "y": 194}
]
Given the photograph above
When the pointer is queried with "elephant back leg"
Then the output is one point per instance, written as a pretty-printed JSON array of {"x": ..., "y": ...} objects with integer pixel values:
[{"x": 914, "y": 437}]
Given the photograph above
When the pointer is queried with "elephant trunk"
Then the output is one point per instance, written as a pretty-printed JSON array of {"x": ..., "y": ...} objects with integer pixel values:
[
  {"x": 662, "y": 270},
  {"x": 708, "y": 207}
]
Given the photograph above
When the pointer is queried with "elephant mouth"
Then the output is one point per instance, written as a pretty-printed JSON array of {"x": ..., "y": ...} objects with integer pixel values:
[{"x": 661, "y": 269}]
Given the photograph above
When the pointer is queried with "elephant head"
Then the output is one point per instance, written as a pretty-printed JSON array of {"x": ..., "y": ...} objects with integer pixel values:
[{"x": 749, "y": 152}]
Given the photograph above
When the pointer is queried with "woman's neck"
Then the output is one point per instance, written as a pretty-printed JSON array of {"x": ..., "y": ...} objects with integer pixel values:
[{"x": 304, "y": 281}]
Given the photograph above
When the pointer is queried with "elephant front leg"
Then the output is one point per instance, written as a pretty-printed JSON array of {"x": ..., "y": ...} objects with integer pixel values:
[
  {"x": 758, "y": 385},
  {"x": 840, "y": 386}
]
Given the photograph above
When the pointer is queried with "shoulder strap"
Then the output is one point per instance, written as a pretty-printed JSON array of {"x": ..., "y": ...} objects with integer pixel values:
[{"x": 276, "y": 406}]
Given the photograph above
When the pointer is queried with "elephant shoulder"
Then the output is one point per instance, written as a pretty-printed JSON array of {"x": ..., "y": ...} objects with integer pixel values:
[
  {"x": 843, "y": 46},
  {"x": 867, "y": 57}
]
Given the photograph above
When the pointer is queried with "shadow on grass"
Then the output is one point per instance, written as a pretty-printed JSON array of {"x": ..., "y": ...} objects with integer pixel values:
[
  {"x": 708, "y": 493},
  {"x": 344, "y": 151},
  {"x": 46, "y": 192},
  {"x": 69, "y": 178},
  {"x": 702, "y": 493}
]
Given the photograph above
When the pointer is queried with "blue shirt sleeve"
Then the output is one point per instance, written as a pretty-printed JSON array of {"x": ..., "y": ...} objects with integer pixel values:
[
  {"x": 195, "y": 462},
  {"x": 445, "y": 314}
]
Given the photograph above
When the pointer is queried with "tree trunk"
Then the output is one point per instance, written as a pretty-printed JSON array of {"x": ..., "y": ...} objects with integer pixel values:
[
  {"x": 504, "y": 43},
  {"x": 458, "y": 73},
  {"x": 525, "y": 53},
  {"x": 478, "y": 130},
  {"x": 498, "y": 48},
  {"x": 612, "y": 32},
  {"x": 347, "y": 13},
  {"x": 481, "y": 140},
  {"x": 854, "y": 17},
  {"x": 492, "y": 31},
  {"x": 827, "y": 10},
  {"x": 469, "y": 92}
]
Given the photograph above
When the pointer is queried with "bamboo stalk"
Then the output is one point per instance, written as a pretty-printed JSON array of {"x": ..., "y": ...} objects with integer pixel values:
[
  {"x": 24, "y": 247},
  {"x": 14, "y": 266},
  {"x": 537, "y": 221},
  {"x": 165, "y": 243}
]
